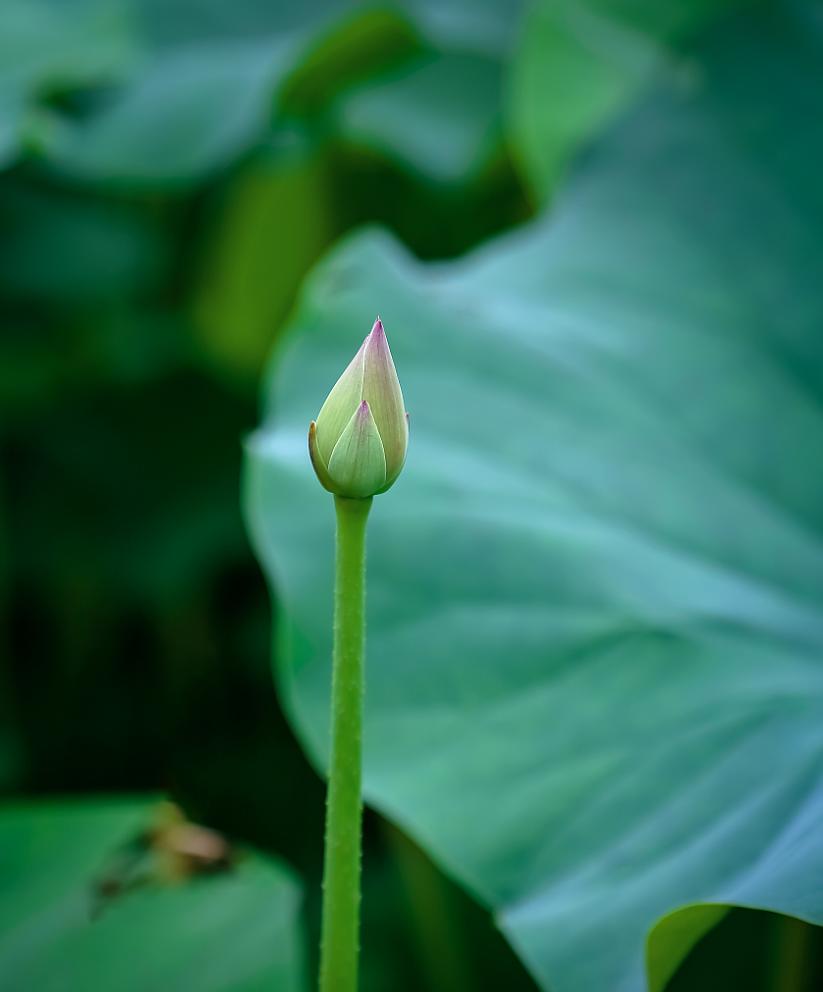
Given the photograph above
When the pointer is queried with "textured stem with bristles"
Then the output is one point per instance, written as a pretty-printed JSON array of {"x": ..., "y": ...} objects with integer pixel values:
[{"x": 339, "y": 943}]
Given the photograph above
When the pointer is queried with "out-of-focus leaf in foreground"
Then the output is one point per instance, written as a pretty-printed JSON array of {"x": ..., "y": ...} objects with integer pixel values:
[
  {"x": 595, "y": 677},
  {"x": 64, "y": 925}
]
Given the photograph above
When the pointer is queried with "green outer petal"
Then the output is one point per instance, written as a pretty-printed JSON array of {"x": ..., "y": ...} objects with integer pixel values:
[
  {"x": 340, "y": 406},
  {"x": 318, "y": 465},
  {"x": 391, "y": 479},
  {"x": 381, "y": 389},
  {"x": 358, "y": 463}
]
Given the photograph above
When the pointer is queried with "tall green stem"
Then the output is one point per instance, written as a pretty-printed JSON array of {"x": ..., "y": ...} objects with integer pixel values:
[{"x": 339, "y": 942}]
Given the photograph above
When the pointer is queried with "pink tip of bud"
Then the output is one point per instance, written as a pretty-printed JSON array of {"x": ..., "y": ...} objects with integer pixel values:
[{"x": 378, "y": 326}]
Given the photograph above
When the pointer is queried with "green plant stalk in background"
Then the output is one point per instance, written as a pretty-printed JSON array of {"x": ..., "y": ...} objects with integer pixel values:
[{"x": 339, "y": 942}]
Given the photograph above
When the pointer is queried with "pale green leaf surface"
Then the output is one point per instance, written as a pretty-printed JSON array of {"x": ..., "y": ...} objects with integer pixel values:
[
  {"x": 232, "y": 932},
  {"x": 201, "y": 94},
  {"x": 580, "y": 62},
  {"x": 595, "y": 684},
  {"x": 203, "y": 89},
  {"x": 47, "y": 46},
  {"x": 189, "y": 112},
  {"x": 481, "y": 26},
  {"x": 438, "y": 116}
]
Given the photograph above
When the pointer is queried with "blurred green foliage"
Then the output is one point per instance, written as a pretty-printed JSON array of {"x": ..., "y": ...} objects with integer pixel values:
[
  {"x": 171, "y": 170},
  {"x": 171, "y": 173}
]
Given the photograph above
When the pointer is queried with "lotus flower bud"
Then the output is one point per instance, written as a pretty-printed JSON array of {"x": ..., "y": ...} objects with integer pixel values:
[{"x": 358, "y": 442}]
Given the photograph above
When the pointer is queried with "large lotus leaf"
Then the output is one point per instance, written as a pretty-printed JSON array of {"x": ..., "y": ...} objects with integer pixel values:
[
  {"x": 595, "y": 683},
  {"x": 236, "y": 930},
  {"x": 580, "y": 62}
]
